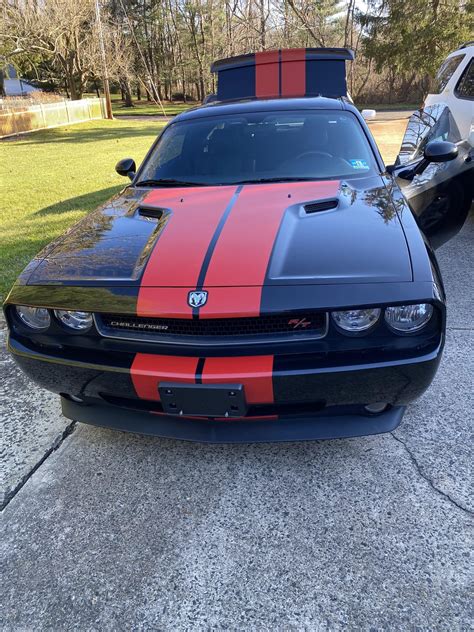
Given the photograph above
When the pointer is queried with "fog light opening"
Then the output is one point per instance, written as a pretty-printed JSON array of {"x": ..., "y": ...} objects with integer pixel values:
[
  {"x": 78, "y": 321},
  {"x": 377, "y": 408}
]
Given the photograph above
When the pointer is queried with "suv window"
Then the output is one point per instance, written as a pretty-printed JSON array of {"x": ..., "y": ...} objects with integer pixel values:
[
  {"x": 446, "y": 72},
  {"x": 465, "y": 87}
]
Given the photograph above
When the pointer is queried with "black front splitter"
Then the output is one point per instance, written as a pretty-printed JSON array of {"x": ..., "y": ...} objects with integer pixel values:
[{"x": 206, "y": 431}]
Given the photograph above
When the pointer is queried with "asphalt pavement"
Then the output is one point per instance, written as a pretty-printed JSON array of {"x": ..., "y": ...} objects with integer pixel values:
[
  {"x": 393, "y": 115},
  {"x": 105, "y": 530}
]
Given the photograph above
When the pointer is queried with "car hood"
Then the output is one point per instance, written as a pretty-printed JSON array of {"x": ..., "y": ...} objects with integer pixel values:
[{"x": 319, "y": 232}]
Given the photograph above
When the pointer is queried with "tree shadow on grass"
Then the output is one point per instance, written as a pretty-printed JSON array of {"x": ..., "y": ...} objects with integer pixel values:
[
  {"x": 18, "y": 252},
  {"x": 86, "y": 202}
]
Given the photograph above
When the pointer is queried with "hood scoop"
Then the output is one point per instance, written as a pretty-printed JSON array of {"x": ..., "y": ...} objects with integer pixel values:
[
  {"x": 150, "y": 212},
  {"x": 358, "y": 240},
  {"x": 316, "y": 207}
]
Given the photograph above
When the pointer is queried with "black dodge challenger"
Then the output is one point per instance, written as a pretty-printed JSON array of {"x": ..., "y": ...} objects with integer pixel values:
[{"x": 262, "y": 278}]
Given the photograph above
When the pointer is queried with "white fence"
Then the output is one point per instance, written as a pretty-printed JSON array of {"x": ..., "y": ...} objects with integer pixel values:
[{"x": 26, "y": 118}]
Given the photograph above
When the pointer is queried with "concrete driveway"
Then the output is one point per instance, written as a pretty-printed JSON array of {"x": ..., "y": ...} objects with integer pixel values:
[{"x": 110, "y": 531}]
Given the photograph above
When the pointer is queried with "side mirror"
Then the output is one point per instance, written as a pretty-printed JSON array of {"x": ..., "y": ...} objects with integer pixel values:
[
  {"x": 435, "y": 151},
  {"x": 126, "y": 167},
  {"x": 440, "y": 151},
  {"x": 368, "y": 115}
]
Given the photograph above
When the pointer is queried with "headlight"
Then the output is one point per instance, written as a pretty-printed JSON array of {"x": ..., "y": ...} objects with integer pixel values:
[
  {"x": 408, "y": 318},
  {"x": 79, "y": 321},
  {"x": 34, "y": 317},
  {"x": 356, "y": 320}
]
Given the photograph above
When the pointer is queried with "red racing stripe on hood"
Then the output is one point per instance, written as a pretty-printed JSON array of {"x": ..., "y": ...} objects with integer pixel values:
[
  {"x": 243, "y": 252},
  {"x": 177, "y": 258}
]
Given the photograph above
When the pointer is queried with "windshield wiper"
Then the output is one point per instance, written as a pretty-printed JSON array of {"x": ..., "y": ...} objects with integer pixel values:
[
  {"x": 279, "y": 179},
  {"x": 171, "y": 182},
  {"x": 168, "y": 182}
]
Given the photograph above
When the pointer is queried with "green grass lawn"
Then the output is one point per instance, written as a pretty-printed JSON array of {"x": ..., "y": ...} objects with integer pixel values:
[
  {"x": 49, "y": 179},
  {"x": 148, "y": 108},
  {"x": 389, "y": 107}
]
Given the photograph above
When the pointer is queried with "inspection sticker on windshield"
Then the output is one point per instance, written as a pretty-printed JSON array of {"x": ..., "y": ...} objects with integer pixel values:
[{"x": 359, "y": 164}]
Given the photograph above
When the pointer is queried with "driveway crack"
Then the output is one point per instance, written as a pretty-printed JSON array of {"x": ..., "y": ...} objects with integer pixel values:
[
  {"x": 10, "y": 495},
  {"x": 425, "y": 477}
]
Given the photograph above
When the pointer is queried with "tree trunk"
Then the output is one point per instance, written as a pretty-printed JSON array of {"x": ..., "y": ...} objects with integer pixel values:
[
  {"x": 201, "y": 84},
  {"x": 2, "y": 84},
  {"x": 126, "y": 93},
  {"x": 263, "y": 24},
  {"x": 74, "y": 80},
  {"x": 75, "y": 93}
]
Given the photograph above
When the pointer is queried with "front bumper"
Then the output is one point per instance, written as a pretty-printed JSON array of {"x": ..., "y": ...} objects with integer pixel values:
[
  {"x": 311, "y": 400},
  {"x": 332, "y": 424}
]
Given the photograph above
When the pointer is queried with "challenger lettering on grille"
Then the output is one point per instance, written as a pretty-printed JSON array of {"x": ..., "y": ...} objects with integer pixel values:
[{"x": 123, "y": 324}]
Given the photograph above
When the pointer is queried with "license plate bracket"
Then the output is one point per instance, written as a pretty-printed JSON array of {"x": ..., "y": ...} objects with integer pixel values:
[{"x": 203, "y": 400}]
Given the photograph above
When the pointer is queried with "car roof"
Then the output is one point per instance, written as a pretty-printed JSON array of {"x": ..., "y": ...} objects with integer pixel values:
[
  {"x": 468, "y": 47},
  {"x": 216, "y": 108}
]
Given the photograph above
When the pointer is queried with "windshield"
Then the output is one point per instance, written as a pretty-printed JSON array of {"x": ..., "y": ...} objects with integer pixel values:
[{"x": 260, "y": 146}]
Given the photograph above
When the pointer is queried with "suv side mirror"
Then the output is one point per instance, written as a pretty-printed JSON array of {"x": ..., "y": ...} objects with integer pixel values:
[
  {"x": 126, "y": 167},
  {"x": 435, "y": 151}
]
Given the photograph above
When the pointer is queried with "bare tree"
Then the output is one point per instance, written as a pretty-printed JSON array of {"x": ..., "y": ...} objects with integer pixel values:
[
  {"x": 58, "y": 29},
  {"x": 165, "y": 47}
]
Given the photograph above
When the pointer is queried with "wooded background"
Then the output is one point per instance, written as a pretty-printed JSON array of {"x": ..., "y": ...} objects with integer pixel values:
[{"x": 162, "y": 49}]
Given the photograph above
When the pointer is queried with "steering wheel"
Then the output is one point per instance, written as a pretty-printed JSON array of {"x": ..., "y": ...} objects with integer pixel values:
[{"x": 313, "y": 152}]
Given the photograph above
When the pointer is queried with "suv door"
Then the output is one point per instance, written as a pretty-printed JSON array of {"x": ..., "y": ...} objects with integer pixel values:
[
  {"x": 441, "y": 195},
  {"x": 463, "y": 105}
]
